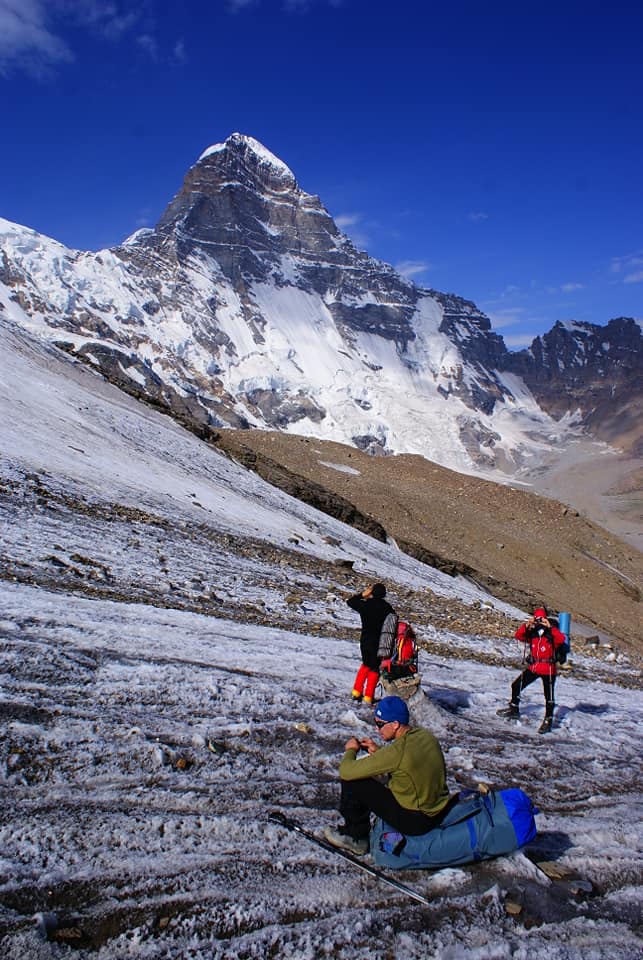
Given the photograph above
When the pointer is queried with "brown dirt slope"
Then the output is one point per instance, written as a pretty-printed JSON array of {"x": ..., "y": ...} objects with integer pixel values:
[{"x": 523, "y": 548}]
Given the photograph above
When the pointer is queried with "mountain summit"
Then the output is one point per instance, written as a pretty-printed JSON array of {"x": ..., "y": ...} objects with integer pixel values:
[
  {"x": 247, "y": 307},
  {"x": 243, "y": 205}
]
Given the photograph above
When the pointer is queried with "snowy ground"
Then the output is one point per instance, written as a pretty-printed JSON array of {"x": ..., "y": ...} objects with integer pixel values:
[{"x": 176, "y": 660}]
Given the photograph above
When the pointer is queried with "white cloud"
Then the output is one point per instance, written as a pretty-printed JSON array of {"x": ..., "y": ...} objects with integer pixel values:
[
  {"x": 148, "y": 43},
  {"x": 114, "y": 27},
  {"x": 347, "y": 220},
  {"x": 565, "y": 288},
  {"x": 632, "y": 261},
  {"x": 636, "y": 277},
  {"x": 519, "y": 339},
  {"x": 348, "y": 223},
  {"x": 522, "y": 322},
  {"x": 144, "y": 218},
  {"x": 508, "y": 317},
  {"x": 178, "y": 52},
  {"x": 290, "y": 6},
  {"x": 302, "y": 6},
  {"x": 106, "y": 19},
  {"x": 511, "y": 291},
  {"x": 477, "y": 216},
  {"x": 33, "y": 32},
  {"x": 410, "y": 268},
  {"x": 235, "y": 6},
  {"x": 27, "y": 40}
]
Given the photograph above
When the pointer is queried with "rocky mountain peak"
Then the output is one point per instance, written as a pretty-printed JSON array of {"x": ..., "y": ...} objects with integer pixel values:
[
  {"x": 243, "y": 206},
  {"x": 592, "y": 370},
  {"x": 246, "y": 151}
]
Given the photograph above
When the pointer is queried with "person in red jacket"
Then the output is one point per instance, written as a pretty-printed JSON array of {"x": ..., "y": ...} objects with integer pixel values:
[{"x": 544, "y": 640}]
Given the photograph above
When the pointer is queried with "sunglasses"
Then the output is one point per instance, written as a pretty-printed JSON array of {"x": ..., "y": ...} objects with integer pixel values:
[{"x": 381, "y": 723}]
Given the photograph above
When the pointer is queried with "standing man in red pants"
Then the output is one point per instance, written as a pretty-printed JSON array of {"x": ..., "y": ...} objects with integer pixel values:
[{"x": 373, "y": 610}]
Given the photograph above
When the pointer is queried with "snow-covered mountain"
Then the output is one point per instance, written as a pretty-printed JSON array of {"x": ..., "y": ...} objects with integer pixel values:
[
  {"x": 246, "y": 306},
  {"x": 595, "y": 370}
]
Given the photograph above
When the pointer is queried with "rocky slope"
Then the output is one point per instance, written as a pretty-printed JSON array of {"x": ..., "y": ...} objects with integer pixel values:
[{"x": 523, "y": 548}]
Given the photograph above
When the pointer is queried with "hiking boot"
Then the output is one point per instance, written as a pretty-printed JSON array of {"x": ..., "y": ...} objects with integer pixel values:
[
  {"x": 510, "y": 712},
  {"x": 367, "y": 700},
  {"x": 357, "y": 846},
  {"x": 356, "y": 697},
  {"x": 545, "y": 726}
]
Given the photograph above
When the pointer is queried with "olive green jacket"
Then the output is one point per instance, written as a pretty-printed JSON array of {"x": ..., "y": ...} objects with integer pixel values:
[{"x": 416, "y": 767}]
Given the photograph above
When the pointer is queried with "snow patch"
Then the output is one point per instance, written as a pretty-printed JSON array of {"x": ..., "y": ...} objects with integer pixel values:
[{"x": 340, "y": 467}]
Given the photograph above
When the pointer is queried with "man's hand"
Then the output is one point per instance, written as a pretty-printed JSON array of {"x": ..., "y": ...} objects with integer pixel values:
[
  {"x": 352, "y": 744},
  {"x": 367, "y": 592},
  {"x": 369, "y": 745},
  {"x": 535, "y": 621}
]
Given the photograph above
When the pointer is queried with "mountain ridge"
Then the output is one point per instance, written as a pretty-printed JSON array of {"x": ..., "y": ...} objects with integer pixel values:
[{"x": 247, "y": 307}]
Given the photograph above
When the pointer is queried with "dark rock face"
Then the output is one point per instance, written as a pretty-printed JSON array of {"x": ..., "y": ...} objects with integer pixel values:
[
  {"x": 279, "y": 411},
  {"x": 464, "y": 323},
  {"x": 583, "y": 367},
  {"x": 389, "y": 322},
  {"x": 481, "y": 349},
  {"x": 247, "y": 212}
]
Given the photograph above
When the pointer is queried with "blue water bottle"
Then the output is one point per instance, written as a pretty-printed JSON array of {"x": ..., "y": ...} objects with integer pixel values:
[{"x": 564, "y": 625}]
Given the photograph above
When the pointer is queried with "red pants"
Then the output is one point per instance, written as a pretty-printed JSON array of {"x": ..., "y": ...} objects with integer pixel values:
[{"x": 365, "y": 683}]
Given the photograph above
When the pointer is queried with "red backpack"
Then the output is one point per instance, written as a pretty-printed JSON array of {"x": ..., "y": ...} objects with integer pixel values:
[{"x": 404, "y": 662}]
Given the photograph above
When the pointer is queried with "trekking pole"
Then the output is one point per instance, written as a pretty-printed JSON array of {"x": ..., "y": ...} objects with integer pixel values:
[
  {"x": 277, "y": 817},
  {"x": 524, "y": 661}
]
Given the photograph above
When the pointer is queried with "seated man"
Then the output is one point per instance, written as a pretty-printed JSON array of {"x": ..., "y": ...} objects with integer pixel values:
[{"x": 416, "y": 797}]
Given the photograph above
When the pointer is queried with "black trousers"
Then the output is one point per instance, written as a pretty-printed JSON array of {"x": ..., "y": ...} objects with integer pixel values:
[
  {"x": 527, "y": 677},
  {"x": 360, "y": 798}
]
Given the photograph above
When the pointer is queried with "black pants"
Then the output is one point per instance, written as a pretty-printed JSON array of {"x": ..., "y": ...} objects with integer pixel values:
[
  {"x": 527, "y": 677},
  {"x": 360, "y": 798}
]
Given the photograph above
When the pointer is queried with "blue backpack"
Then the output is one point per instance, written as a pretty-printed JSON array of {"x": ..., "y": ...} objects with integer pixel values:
[{"x": 477, "y": 827}]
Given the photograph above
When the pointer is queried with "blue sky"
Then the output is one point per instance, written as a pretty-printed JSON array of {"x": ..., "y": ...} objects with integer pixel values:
[{"x": 493, "y": 150}]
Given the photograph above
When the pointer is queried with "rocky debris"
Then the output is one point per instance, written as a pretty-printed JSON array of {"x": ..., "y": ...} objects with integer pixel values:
[
  {"x": 303, "y": 488},
  {"x": 300, "y": 592},
  {"x": 512, "y": 908},
  {"x": 452, "y": 522},
  {"x": 283, "y": 572}
]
